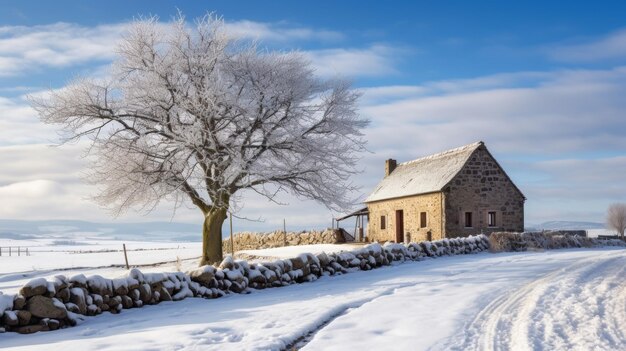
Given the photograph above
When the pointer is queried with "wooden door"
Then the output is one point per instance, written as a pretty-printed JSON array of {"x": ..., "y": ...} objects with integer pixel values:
[{"x": 399, "y": 226}]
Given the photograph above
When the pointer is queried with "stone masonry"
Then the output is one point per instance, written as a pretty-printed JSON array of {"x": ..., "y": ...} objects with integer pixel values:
[
  {"x": 411, "y": 206},
  {"x": 461, "y": 190},
  {"x": 482, "y": 187},
  {"x": 255, "y": 241}
]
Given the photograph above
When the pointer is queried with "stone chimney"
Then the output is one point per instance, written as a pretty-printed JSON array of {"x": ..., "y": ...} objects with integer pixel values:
[{"x": 390, "y": 165}]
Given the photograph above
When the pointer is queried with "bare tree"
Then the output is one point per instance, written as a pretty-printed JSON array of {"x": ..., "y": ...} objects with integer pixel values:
[
  {"x": 616, "y": 218},
  {"x": 192, "y": 114}
]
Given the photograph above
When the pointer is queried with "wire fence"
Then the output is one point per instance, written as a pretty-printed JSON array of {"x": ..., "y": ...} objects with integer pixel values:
[{"x": 14, "y": 251}]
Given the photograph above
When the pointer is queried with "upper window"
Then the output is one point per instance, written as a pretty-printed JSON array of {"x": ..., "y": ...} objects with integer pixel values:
[
  {"x": 491, "y": 218},
  {"x": 468, "y": 220},
  {"x": 382, "y": 222},
  {"x": 423, "y": 218}
]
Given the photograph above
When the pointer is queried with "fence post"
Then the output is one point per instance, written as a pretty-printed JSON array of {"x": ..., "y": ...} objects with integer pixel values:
[
  {"x": 9, "y": 251},
  {"x": 232, "y": 240},
  {"x": 284, "y": 232},
  {"x": 125, "y": 256},
  {"x": 0, "y": 251}
]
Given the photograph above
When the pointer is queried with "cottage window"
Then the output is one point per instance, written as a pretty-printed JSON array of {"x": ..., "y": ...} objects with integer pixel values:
[
  {"x": 423, "y": 220},
  {"x": 382, "y": 222},
  {"x": 491, "y": 218},
  {"x": 468, "y": 220}
]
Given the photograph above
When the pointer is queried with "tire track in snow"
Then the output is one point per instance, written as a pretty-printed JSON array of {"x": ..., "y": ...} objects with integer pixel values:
[
  {"x": 577, "y": 307},
  {"x": 342, "y": 311},
  {"x": 306, "y": 338}
]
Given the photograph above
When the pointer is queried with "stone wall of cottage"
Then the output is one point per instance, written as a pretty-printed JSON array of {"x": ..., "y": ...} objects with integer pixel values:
[
  {"x": 411, "y": 206},
  {"x": 482, "y": 187}
]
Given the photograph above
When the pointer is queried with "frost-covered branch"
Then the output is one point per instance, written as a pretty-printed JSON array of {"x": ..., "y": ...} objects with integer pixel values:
[
  {"x": 190, "y": 112},
  {"x": 616, "y": 218}
]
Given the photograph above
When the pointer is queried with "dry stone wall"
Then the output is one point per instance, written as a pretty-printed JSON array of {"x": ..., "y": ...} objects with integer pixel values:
[
  {"x": 43, "y": 305},
  {"x": 254, "y": 241},
  {"x": 511, "y": 241}
]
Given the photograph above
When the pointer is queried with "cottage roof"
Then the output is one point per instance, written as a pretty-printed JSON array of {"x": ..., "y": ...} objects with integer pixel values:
[{"x": 424, "y": 175}]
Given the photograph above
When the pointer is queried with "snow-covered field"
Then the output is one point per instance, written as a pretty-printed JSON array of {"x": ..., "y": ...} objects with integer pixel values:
[
  {"x": 48, "y": 254},
  {"x": 552, "y": 300},
  {"x": 594, "y": 233},
  {"x": 49, "y": 257}
]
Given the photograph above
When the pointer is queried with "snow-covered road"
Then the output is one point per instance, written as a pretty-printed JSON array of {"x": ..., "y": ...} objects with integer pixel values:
[
  {"x": 579, "y": 307},
  {"x": 562, "y": 299}
]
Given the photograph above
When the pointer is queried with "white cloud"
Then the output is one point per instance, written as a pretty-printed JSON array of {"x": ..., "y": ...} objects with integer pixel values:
[
  {"x": 24, "y": 49},
  {"x": 42, "y": 182},
  {"x": 19, "y": 124},
  {"x": 378, "y": 95},
  {"x": 280, "y": 32},
  {"x": 575, "y": 188},
  {"x": 26, "y": 163},
  {"x": 56, "y": 45},
  {"x": 375, "y": 61},
  {"x": 383, "y": 94},
  {"x": 39, "y": 181},
  {"x": 611, "y": 46},
  {"x": 567, "y": 111},
  {"x": 580, "y": 178},
  {"x": 31, "y": 189},
  {"x": 43, "y": 199}
]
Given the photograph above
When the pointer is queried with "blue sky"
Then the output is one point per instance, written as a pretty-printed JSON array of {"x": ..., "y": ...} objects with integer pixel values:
[
  {"x": 438, "y": 40},
  {"x": 542, "y": 83}
]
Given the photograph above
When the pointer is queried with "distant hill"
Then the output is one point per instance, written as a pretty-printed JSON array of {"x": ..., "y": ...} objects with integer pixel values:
[
  {"x": 567, "y": 225},
  {"x": 157, "y": 231}
]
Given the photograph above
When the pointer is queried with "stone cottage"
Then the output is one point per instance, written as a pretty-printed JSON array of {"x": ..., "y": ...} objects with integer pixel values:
[{"x": 455, "y": 193}]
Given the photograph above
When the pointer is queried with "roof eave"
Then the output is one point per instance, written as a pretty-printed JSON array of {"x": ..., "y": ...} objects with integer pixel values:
[{"x": 402, "y": 196}]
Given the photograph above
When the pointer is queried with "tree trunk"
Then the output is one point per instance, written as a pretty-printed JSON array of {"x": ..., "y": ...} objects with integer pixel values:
[{"x": 212, "y": 236}]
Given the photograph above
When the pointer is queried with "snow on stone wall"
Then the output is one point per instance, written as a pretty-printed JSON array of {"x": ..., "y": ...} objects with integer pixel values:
[
  {"x": 43, "y": 305},
  {"x": 509, "y": 241},
  {"x": 256, "y": 241}
]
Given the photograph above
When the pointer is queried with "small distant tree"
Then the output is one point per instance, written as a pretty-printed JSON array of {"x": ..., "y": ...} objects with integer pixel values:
[
  {"x": 191, "y": 114},
  {"x": 616, "y": 218}
]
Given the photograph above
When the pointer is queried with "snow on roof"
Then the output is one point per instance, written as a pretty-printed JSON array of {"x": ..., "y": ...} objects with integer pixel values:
[{"x": 424, "y": 175}]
